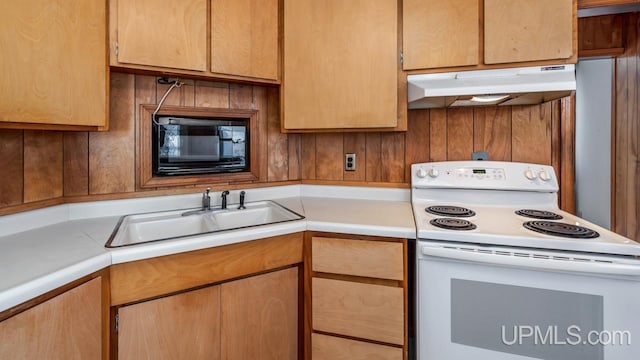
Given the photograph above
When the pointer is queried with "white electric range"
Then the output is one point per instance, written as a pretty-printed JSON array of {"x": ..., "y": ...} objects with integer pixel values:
[{"x": 503, "y": 273}]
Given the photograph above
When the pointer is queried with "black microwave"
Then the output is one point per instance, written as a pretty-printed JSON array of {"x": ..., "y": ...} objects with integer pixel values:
[{"x": 188, "y": 146}]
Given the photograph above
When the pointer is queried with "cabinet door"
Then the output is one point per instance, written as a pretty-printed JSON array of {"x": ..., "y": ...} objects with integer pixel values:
[
  {"x": 54, "y": 62},
  {"x": 244, "y": 38},
  {"x": 525, "y": 30},
  {"x": 260, "y": 317},
  {"x": 69, "y": 326},
  {"x": 340, "y": 64},
  {"x": 183, "y": 326},
  {"x": 440, "y": 33},
  {"x": 166, "y": 33}
]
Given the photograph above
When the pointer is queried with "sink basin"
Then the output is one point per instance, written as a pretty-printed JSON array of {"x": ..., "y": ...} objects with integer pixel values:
[{"x": 148, "y": 227}]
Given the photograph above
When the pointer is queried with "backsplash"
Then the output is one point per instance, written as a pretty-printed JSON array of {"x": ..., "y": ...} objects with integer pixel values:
[{"x": 50, "y": 167}]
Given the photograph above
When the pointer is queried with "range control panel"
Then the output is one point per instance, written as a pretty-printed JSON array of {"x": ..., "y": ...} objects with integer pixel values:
[{"x": 493, "y": 175}]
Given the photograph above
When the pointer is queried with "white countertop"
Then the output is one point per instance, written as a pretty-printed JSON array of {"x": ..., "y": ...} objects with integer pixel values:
[{"x": 44, "y": 249}]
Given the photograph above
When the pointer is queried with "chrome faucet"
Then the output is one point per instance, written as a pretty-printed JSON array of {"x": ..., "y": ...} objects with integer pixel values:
[
  {"x": 206, "y": 200},
  {"x": 224, "y": 199}
]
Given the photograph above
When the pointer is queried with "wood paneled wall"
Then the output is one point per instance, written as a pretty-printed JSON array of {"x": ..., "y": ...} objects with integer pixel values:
[
  {"x": 50, "y": 167},
  {"x": 542, "y": 134},
  {"x": 626, "y": 143}
]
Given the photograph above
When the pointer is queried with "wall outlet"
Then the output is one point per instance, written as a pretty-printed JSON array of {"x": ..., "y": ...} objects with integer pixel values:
[{"x": 350, "y": 162}]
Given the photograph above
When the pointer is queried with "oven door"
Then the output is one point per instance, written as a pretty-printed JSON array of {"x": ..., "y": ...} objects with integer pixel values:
[{"x": 484, "y": 303}]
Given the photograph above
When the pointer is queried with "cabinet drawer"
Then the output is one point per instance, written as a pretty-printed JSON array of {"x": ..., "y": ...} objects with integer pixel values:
[
  {"x": 332, "y": 348},
  {"x": 367, "y": 311},
  {"x": 376, "y": 259}
]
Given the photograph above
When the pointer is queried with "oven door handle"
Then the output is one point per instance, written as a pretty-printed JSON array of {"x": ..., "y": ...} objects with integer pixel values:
[{"x": 592, "y": 267}]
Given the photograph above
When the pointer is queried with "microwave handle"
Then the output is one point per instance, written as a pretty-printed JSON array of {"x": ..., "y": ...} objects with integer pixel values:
[{"x": 533, "y": 263}]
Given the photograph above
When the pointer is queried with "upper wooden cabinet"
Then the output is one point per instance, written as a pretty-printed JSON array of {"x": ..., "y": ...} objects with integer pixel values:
[
  {"x": 440, "y": 34},
  {"x": 234, "y": 39},
  {"x": 53, "y": 64},
  {"x": 163, "y": 33},
  {"x": 584, "y": 4},
  {"x": 525, "y": 30},
  {"x": 244, "y": 38},
  {"x": 341, "y": 63}
]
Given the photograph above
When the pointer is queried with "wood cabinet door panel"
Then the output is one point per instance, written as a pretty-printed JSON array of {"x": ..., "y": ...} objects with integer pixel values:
[
  {"x": 260, "y": 317},
  {"x": 333, "y": 348},
  {"x": 524, "y": 30},
  {"x": 340, "y": 64},
  {"x": 440, "y": 33},
  {"x": 183, "y": 326},
  {"x": 69, "y": 326},
  {"x": 244, "y": 38},
  {"x": 54, "y": 62},
  {"x": 365, "y": 311},
  {"x": 375, "y": 259},
  {"x": 164, "y": 33}
]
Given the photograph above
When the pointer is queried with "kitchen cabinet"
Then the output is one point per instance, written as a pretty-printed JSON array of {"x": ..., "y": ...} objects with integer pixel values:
[
  {"x": 251, "y": 318},
  {"x": 67, "y": 326},
  {"x": 205, "y": 38},
  {"x": 260, "y": 317},
  {"x": 340, "y": 65},
  {"x": 442, "y": 34},
  {"x": 523, "y": 30},
  {"x": 54, "y": 65},
  {"x": 165, "y": 33},
  {"x": 238, "y": 301},
  {"x": 183, "y": 326},
  {"x": 358, "y": 290},
  {"x": 244, "y": 38}
]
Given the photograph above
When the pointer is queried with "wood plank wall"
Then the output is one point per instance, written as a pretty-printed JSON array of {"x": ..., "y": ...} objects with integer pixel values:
[
  {"x": 51, "y": 167},
  {"x": 542, "y": 134},
  {"x": 626, "y": 158}
]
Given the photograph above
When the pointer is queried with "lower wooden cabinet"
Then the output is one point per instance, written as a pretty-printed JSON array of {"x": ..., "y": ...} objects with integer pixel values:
[
  {"x": 326, "y": 347},
  {"x": 355, "y": 297},
  {"x": 183, "y": 326},
  {"x": 68, "y": 326},
  {"x": 260, "y": 317},
  {"x": 251, "y": 318}
]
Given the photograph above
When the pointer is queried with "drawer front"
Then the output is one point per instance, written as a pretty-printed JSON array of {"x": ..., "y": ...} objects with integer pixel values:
[
  {"x": 332, "y": 348},
  {"x": 366, "y": 311},
  {"x": 376, "y": 259}
]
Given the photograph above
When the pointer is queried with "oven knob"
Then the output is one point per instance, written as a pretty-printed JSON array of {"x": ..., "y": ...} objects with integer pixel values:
[
  {"x": 433, "y": 173},
  {"x": 544, "y": 175},
  {"x": 421, "y": 173},
  {"x": 530, "y": 174}
]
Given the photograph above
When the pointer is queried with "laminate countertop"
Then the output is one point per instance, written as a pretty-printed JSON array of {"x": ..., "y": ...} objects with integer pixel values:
[{"x": 44, "y": 249}]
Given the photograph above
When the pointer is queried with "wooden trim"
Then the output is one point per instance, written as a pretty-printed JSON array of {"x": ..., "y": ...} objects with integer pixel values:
[
  {"x": 611, "y": 52},
  {"x": 307, "y": 308},
  {"x": 30, "y": 206},
  {"x": 614, "y": 147},
  {"x": 586, "y": 4},
  {"x": 144, "y": 279},
  {"x": 33, "y": 126},
  {"x": 146, "y": 178}
]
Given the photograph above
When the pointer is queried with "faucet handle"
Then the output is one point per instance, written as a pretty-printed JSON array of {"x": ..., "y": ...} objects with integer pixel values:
[
  {"x": 242, "y": 194},
  {"x": 224, "y": 193},
  {"x": 206, "y": 193}
]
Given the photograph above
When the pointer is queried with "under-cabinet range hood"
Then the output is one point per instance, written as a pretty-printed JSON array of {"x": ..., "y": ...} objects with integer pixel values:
[{"x": 513, "y": 86}]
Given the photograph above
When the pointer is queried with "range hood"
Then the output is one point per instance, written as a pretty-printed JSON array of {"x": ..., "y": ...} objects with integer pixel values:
[{"x": 513, "y": 86}]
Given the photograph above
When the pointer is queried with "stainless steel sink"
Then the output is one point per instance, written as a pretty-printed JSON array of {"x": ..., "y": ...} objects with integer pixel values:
[{"x": 143, "y": 228}]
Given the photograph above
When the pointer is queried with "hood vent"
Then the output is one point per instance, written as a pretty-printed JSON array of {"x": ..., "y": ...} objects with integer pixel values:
[{"x": 514, "y": 86}]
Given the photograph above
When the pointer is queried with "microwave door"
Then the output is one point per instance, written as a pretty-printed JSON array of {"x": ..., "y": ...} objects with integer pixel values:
[{"x": 197, "y": 148}]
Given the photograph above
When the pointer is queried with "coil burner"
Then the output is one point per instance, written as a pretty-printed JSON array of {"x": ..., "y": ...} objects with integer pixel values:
[
  {"x": 446, "y": 210},
  {"x": 539, "y": 214},
  {"x": 452, "y": 224},
  {"x": 561, "y": 229}
]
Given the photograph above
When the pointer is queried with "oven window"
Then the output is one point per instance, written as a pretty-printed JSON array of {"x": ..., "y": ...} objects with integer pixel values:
[{"x": 534, "y": 322}]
